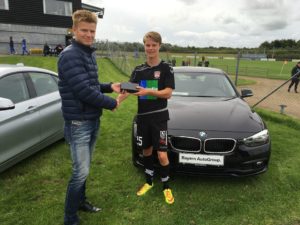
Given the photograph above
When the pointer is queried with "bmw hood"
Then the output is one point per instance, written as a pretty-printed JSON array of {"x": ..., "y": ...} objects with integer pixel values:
[{"x": 212, "y": 114}]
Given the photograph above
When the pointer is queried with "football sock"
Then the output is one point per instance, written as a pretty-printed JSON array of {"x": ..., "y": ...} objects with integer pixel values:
[
  {"x": 149, "y": 169},
  {"x": 164, "y": 172}
]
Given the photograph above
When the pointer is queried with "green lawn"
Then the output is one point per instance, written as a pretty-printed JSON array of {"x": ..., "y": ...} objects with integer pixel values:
[
  {"x": 265, "y": 69},
  {"x": 33, "y": 191},
  {"x": 39, "y": 61},
  {"x": 255, "y": 68}
]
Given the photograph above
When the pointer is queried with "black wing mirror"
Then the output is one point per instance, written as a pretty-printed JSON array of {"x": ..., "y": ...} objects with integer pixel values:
[
  {"x": 6, "y": 104},
  {"x": 246, "y": 93}
]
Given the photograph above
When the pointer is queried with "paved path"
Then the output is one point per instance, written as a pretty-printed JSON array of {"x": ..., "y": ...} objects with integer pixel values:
[{"x": 281, "y": 97}]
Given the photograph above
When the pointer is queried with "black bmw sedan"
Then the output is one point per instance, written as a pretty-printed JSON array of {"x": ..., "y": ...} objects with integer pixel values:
[{"x": 212, "y": 130}]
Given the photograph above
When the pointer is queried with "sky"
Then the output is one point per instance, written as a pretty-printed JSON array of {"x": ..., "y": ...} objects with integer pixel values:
[{"x": 200, "y": 23}]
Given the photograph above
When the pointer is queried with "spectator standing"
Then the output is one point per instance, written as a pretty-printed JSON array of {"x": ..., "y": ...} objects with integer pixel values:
[
  {"x": 46, "y": 49},
  {"x": 82, "y": 104},
  {"x": 24, "y": 47},
  {"x": 11, "y": 46},
  {"x": 206, "y": 63},
  {"x": 295, "y": 73},
  {"x": 173, "y": 62}
]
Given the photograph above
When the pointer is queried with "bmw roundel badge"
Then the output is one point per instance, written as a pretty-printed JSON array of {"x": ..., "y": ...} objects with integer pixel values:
[{"x": 202, "y": 134}]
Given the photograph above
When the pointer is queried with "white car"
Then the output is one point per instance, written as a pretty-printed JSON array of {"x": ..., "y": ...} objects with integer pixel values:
[{"x": 30, "y": 112}]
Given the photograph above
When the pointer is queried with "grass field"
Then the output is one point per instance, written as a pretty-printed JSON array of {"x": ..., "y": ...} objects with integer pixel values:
[
  {"x": 39, "y": 61},
  {"x": 268, "y": 69},
  {"x": 265, "y": 69},
  {"x": 33, "y": 191}
]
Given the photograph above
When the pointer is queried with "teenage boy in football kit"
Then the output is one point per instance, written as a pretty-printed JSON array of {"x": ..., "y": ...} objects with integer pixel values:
[{"x": 155, "y": 80}]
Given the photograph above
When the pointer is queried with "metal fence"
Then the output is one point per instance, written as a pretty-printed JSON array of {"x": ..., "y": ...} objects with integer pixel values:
[{"x": 268, "y": 93}]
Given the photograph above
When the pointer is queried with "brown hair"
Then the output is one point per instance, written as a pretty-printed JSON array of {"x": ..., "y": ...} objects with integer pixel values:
[
  {"x": 83, "y": 15},
  {"x": 154, "y": 36}
]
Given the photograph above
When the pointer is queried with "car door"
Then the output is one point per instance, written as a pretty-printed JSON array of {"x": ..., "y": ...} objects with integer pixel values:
[
  {"x": 19, "y": 129},
  {"x": 49, "y": 105}
]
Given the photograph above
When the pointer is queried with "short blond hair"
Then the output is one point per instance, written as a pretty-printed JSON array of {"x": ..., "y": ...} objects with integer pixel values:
[
  {"x": 155, "y": 36},
  {"x": 83, "y": 15}
]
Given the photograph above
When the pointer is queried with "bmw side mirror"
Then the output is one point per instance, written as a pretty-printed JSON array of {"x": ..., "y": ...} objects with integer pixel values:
[
  {"x": 6, "y": 104},
  {"x": 246, "y": 93}
]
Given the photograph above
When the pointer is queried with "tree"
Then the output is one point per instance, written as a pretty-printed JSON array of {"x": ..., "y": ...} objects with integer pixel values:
[{"x": 265, "y": 45}]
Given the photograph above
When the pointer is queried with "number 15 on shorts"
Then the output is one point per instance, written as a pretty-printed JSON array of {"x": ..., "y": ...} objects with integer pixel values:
[{"x": 139, "y": 140}]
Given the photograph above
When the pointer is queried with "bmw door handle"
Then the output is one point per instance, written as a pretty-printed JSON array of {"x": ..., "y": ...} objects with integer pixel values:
[{"x": 31, "y": 109}]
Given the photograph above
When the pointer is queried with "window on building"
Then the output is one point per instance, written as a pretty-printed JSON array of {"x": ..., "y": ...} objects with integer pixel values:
[
  {"x": 4, "y": 4},
  {"x": 57, "y": 7}
]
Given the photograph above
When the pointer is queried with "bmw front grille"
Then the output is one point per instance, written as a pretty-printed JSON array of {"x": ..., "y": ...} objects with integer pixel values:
[
  {"x": 194, "y": 145},
  {"x": 219, "y": 145},
  {"x": 185, "y": 144}
]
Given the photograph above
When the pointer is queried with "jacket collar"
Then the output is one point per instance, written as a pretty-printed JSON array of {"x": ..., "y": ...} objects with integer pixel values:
[{"x": 87, "y": 49}]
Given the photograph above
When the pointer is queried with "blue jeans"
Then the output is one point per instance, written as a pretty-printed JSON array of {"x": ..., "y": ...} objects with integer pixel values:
[
  {"x": 81, "y": 136},
  {"x": 12, "y": 50}
]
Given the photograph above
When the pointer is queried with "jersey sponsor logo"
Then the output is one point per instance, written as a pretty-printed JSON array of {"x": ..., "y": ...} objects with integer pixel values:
[
  {"x": 156, "y": 74},
  {"x": 151, "y": 84}
]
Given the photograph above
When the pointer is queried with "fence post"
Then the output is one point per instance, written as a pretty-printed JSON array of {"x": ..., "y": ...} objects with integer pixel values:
[{"x": 237, "y": 68}]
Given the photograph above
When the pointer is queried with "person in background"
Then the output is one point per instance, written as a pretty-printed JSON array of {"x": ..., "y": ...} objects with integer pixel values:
[
  {"x": 82, "y": 104},
  {"x": 58, "y": 49},
  {"x": 46, "y": 49},
  {"x": 11, "y": 46},
  {"x": 206, "y": 63},
  {"x": 156, "y": 83},
  {"x": 173, "y": 62},
  {"x": 295, "y": 73},
  {"x": 24, "y": 47}
]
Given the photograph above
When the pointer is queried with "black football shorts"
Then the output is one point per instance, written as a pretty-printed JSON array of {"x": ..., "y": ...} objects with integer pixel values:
[{"x": 153, "y": 134}]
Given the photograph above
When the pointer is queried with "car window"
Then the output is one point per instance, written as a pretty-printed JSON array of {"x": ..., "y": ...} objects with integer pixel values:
[
  {"x": 14, "y": 88},
  {"x": 55, "y": 78},
  {"x": 203, "y": 84},
  {"x": 43, "y": 83}
]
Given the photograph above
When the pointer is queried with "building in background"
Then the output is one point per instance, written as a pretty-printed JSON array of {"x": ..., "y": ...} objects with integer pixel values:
[{"x": 39, "y": 22}]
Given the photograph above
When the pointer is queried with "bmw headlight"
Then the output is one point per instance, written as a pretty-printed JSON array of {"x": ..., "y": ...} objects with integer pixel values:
[{"x": 257, "y": 139}]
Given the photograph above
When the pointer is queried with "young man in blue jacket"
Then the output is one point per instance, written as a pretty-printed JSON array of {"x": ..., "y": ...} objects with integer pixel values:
[{"x": 82, "y": 104}]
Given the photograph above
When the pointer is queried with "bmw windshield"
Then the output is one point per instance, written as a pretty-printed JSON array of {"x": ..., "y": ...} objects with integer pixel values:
[{"x": 203, "y": 85}]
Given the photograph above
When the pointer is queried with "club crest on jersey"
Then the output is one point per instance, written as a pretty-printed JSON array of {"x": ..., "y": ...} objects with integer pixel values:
[{"x": 156, "y": 74}]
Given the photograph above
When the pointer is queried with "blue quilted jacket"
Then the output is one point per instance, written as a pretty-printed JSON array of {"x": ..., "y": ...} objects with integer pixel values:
[{"x": 81, "y": 93}]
